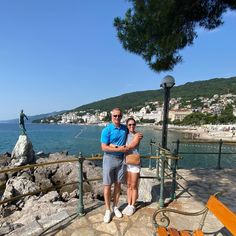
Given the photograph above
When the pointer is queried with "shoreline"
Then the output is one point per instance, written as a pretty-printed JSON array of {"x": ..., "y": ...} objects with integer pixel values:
[{"x": 207, "y": 132}]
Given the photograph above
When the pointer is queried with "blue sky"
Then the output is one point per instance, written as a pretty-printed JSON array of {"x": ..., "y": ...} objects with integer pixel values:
[{"x": 57, "y": 55}]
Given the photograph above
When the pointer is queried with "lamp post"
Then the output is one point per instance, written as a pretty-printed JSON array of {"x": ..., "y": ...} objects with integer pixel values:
[{"x": 167, "y": 83}]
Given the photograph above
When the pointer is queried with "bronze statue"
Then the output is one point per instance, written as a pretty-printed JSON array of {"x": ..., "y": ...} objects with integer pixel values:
[{"x": 22, "y": 122}]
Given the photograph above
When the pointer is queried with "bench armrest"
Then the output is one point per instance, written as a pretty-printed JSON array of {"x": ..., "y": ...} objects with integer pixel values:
[{"x": 165, "y": 221}]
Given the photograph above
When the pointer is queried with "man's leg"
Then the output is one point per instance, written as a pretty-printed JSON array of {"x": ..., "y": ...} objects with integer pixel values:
[
  {"x": 116, "y": 197},
  {"x": 116, "y": 194},
  {"x": 106, "y": 188},
  {"x": 107, "y": 196}
]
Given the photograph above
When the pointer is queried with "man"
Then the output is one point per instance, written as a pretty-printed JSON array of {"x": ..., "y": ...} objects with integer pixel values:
[
  {"x": 22, "y": 122},
  {"x": 113, "y": 169}
]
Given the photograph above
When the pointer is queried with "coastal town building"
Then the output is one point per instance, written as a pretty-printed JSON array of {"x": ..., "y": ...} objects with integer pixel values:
[
  {"x": 179, "y": 114},
  {"x": 153, "y": 111}
]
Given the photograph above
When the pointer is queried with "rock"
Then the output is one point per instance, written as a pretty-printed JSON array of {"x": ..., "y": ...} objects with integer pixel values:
[
  {"x": 18, "y": 185},
  {"x": 3, "y": 179},
  {"x": 23, "y": 152},
  {"x": 53, "y": 219},
  {"x": 32, "y": 228},
  {"x": 50, "y": 197},
  {"x": 40, "y": 153},
  {"x": 29, "y": 209},
  {"x": 8, "y": 227},
  {"x": 42, "y": 176},
  {"x": 7, "y": 154}
]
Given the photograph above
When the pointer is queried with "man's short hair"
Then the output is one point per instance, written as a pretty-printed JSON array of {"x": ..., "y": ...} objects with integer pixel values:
[{"x": 116, "y": 109}]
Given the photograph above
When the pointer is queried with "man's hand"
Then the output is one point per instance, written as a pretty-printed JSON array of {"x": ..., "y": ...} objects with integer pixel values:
[
  {"x": 123, "y": 149},
  {"x": 114, "y": 148}
]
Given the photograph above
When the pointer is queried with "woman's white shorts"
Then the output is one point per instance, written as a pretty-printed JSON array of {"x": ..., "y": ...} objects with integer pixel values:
[{"x": 133, "y": 168}]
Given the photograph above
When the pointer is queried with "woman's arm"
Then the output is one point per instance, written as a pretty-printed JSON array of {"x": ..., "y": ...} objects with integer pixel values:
[{"x": 135, "y": 141}]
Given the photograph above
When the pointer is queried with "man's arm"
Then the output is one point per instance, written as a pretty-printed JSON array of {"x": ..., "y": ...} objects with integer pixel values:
[
  {"x": 113, "y": 148},
  {"x": 26, "y": 117}
]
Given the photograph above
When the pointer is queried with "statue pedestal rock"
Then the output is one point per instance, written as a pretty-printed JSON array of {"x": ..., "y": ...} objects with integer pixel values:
[{"x": 23, "y": 152}]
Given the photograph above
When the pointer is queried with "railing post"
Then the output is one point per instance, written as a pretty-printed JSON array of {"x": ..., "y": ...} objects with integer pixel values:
[
  {"x": 173, "y": 186},
  {"x": 158, "y": 163},
  {"x": 177, "y": 151},
  {"x": 161, "y": 200},
  {"x": 150, "y": 160},
  {"x": 80, "y": 169},
  {"x": 219, "y": 154}
]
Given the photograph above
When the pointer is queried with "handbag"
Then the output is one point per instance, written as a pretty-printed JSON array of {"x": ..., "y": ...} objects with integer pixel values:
[{"x": 132, "y": 159}]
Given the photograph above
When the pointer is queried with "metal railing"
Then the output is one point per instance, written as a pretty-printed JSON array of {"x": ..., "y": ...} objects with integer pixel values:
[
  {"x": 166, "y": 168},
  {"x": 161, "y": 157},
  {"x": 219, "y": 153}
]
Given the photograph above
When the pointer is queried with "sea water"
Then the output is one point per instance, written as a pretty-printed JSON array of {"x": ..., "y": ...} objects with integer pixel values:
[{"x": 50, "y": 138}]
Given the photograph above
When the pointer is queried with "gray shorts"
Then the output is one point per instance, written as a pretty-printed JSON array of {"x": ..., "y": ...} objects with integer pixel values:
[{"x": 113, "y": 169}]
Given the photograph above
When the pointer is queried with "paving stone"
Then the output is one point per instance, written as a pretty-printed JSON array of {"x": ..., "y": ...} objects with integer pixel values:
[
  {"x": 80, "y": 222},
  {"x": 135, "y": 231},
  {"x": 83, "y": 232},
  {"x": 96, "y": 218},
  {"x": 201, "y": 183},
  {"x": 110, "y": 228},
  {"x": 123, "y": 226}
]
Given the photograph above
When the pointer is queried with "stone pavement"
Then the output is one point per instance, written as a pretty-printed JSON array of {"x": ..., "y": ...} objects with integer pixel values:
[{"x": 195, "y": 187}]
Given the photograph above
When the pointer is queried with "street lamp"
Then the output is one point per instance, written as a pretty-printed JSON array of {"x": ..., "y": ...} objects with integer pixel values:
[{"x": 167, "y": 83}]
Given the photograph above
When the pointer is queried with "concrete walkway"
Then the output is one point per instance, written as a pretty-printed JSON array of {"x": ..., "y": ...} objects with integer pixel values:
[{"x": 193, "y": 190}]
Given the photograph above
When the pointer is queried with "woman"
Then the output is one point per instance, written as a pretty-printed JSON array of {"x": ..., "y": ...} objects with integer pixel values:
[{"x": 133, "y": 171}]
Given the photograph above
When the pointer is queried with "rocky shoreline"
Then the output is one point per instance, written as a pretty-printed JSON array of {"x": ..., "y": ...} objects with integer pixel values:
[{"x": 16, "y": 215}]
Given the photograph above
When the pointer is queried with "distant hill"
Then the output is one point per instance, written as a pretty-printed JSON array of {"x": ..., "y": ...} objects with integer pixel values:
[
  {"x": 36, "y": 117},
  {"x": 136, "y": 100},
  {"x": 188, "y": 91}
]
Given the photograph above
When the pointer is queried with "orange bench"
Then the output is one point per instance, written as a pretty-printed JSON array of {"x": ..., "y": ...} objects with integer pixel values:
[{"x": 222, "y": 213}]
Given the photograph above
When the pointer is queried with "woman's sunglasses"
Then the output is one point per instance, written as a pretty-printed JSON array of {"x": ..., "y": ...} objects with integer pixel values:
[{"x": 131, "y": 124}]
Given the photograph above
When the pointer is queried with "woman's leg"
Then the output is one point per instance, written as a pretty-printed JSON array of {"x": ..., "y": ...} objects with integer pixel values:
[
  {"x": 129, "y": 196},
  {"x": 134, "y": 187}
]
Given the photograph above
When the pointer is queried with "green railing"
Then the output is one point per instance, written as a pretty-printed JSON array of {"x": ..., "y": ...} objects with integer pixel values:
[
  {"x": 219, "y": 153},
  {"x": 165, "y": 164},
  {"x": 161, "y": 158}
]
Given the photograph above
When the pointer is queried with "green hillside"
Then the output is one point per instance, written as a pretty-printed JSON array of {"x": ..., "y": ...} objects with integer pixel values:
[{"x": 187, "y": 91}]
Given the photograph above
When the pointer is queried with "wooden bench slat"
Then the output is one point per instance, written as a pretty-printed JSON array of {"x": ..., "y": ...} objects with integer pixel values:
[
  {"x": 173, "y": 232},
  {"x": 225, "y": 215},
  {"x": 198, "y": 233},
  {"x": 185, "y": 233},
  {"x": 162, "y": 231}
]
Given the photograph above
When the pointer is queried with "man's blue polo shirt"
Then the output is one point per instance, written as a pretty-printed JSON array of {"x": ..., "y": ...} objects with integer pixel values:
[{"x": 114, "y": 135}]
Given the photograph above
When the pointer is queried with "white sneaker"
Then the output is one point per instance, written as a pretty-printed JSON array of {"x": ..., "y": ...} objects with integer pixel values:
[
  {"x": 130, "y": 211},
  {"x": 107, "y": 216},
  {"x": 125, "y": 210},
  {"x": 117, "y": 212}
]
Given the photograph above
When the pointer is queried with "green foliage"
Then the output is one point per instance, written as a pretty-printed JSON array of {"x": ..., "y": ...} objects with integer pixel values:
[
  {"x": 227, "y": 115},
  {"x": 196, "y": 103},
  {"x": 198, "y": 118},
  {"x": 188, "y": 91},
  {"x": 107, "y": 118},
  {"x": 195, "y": 118},
  {"x": 157, "y": 30}
]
